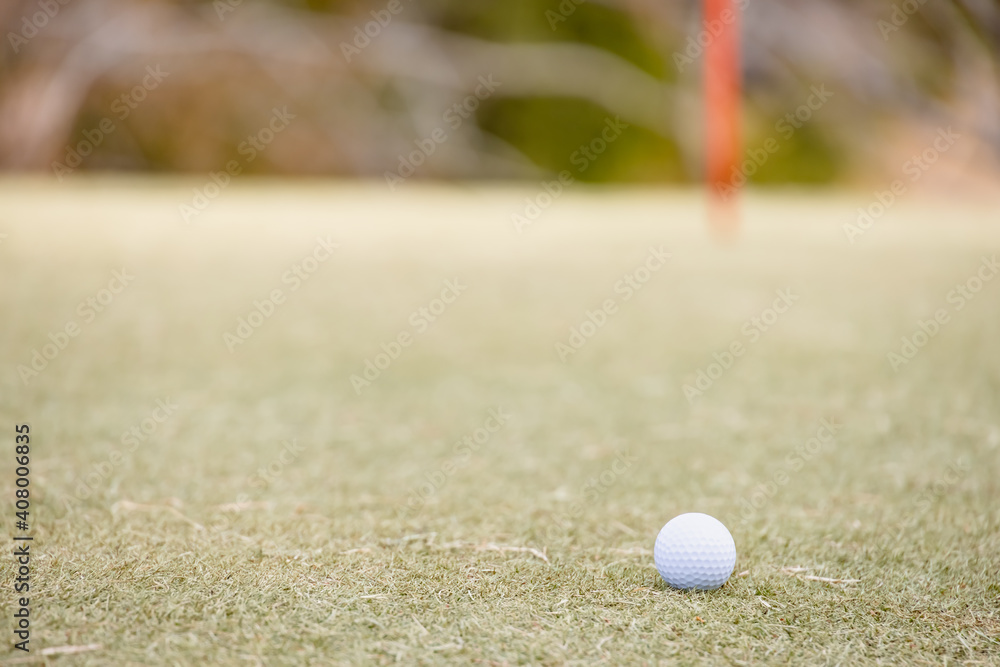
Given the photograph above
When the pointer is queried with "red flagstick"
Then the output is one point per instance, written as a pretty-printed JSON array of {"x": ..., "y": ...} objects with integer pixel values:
[{"x": 723, "y": 94}]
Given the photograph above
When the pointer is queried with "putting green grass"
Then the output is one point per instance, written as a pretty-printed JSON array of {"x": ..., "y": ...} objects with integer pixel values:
[{"x": 482, "y": 500}]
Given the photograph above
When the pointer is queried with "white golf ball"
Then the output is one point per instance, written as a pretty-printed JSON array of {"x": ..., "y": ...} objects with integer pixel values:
[{"x": 695, "y": 551}]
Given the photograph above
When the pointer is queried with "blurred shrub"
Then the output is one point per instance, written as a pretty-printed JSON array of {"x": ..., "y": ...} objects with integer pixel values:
[{"x": 364, "y": 102}]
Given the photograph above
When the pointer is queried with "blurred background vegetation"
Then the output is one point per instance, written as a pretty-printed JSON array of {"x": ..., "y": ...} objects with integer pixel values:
[{"x": 897, "y": 71}]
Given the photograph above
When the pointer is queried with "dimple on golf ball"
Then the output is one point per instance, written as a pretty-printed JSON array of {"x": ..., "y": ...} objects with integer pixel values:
[{"x": 695, "y": 551}]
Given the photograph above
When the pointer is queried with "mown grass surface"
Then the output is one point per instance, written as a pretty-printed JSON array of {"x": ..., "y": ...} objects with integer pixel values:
[{"x": 537, "y": 547}]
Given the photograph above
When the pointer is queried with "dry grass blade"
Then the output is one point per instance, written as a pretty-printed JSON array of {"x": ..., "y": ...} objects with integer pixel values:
[
  {"x": 795, "y": 571},
  {"x": 827, "y": 580},
  {"x": 634, "y": 551},
  {"x": 128, "y": 505},
  {"x": 241, "y": 507},
  {"x": 502, "y": 547},
  {"x": 65, "y": 650}
]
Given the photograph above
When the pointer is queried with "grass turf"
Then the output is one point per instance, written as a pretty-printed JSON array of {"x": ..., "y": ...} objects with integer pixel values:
[{"x": 375, "y": 538}]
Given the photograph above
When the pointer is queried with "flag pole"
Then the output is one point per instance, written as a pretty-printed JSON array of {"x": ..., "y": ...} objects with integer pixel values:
[{"x": 722, "y": 80}]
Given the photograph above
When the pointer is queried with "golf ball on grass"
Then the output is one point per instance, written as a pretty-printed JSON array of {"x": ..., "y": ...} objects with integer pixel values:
[{"x": 695, "y": 551}]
